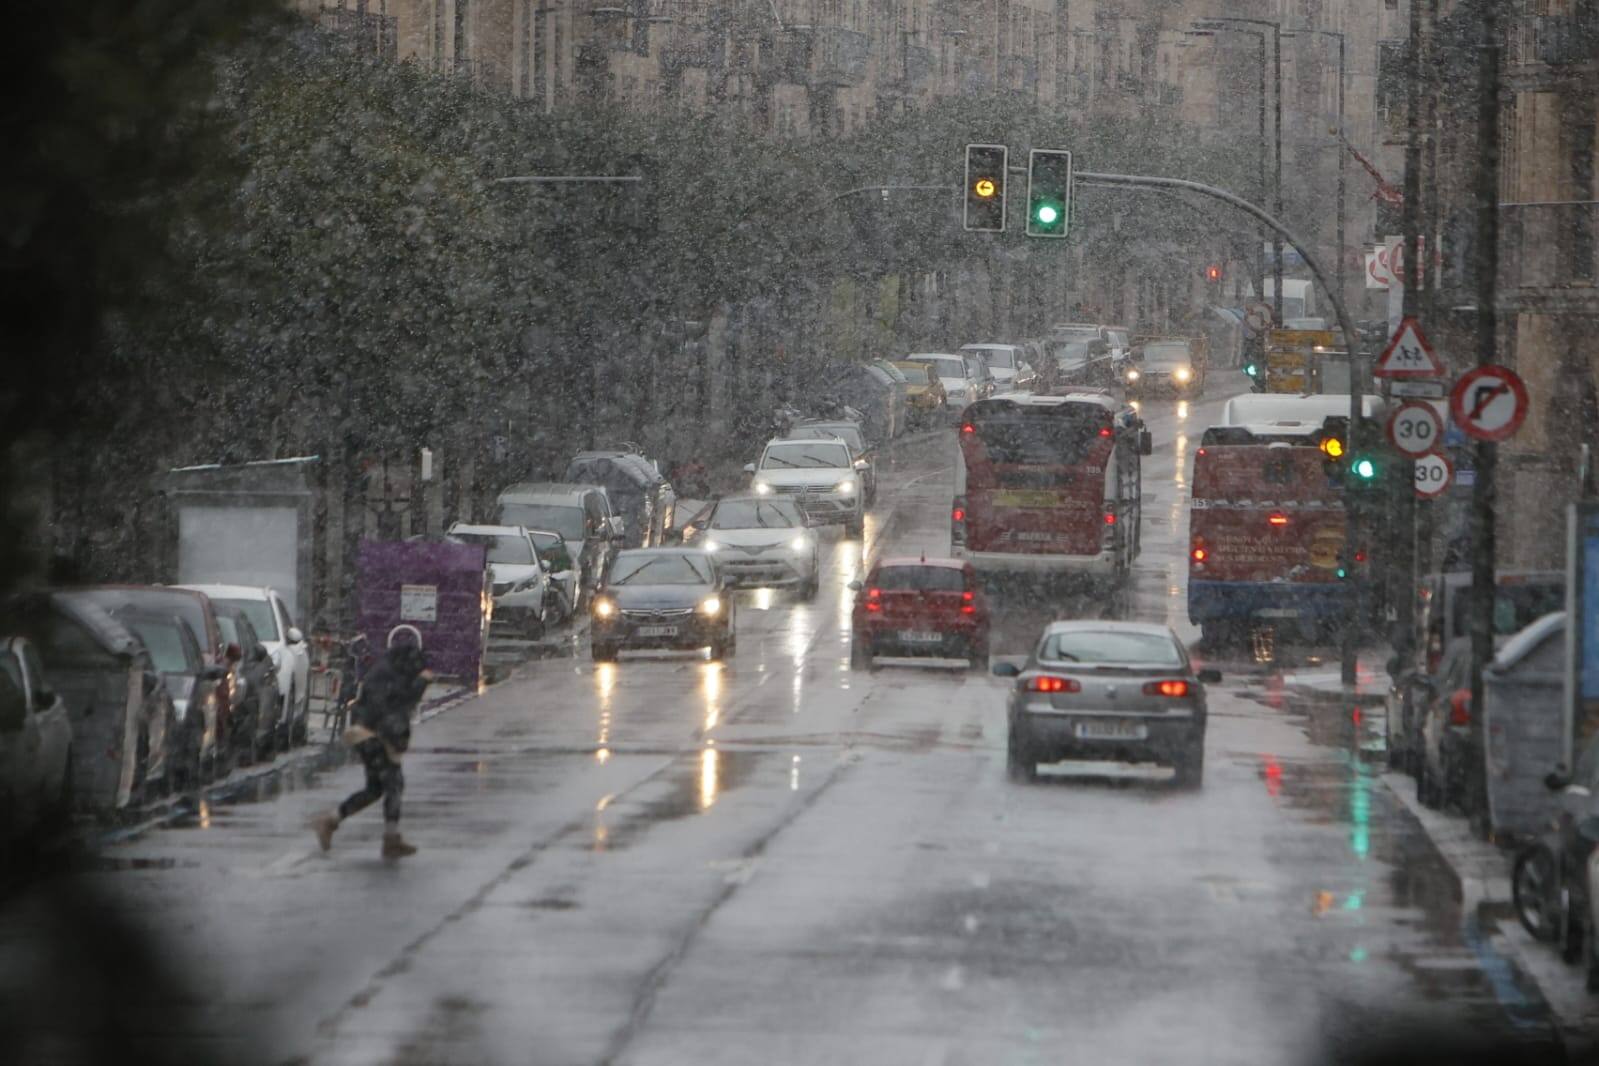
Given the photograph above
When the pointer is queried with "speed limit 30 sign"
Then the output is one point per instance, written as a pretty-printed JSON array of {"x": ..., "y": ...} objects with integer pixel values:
[
  {"x": 1415, "y": 429},
  {"x": 1434, "y": 473}
]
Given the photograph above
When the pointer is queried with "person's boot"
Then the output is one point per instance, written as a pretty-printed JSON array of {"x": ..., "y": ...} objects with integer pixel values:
[
  {"x": 394, "y": 845},
  {"x": 323, "y": 826}
]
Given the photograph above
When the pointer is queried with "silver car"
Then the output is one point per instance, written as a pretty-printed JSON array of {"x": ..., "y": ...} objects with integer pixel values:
[{"x": 1116, "y": 691}]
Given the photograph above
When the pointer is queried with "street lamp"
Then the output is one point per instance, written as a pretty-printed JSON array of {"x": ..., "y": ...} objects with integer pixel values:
[
  {"x": 1221, "y": 22},
  {"x": 1342, "y": 155},
  {"x": 1260, "y": 245}
]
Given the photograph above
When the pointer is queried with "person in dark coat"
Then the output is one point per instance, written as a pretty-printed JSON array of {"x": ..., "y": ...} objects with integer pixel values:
[{"x": 380, "y": 734}]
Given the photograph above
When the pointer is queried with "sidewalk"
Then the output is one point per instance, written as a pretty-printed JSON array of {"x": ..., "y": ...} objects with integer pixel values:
[{"x": 1483, "y": 873}]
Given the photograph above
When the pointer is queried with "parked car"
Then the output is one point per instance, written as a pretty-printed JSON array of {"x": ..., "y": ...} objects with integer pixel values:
[
  {"x": 517, "y": 576},
  {"x": 924, "y": 392},
  {"x": 581, "y": 514},
  {"x": 269, "y": 613},
  {"x": 909, "y": 606},
  {"x": 1123, "y": 691},
  {"x": 663, "y": 598},
  {"x": 761, "y": 541},
  {"x": 116, "y": 703},
  {"x": 850, "y": 433},
  {"x": 961, "y": 384},
  {"x": 197, "y": 613},
  {"x": 1006, "y": 363},
  {"x": 259, "y": 728},
  {"x": 1445, "y": 729},
  {"x": 1444, "y": 618},
  {"x": 200, "y": 751},
  {"x": 1553, "y": 876},
  {"x": 638, "y": 494},
  {"x": 35, "y": 743},
  {"x": 821, "y": 476}
]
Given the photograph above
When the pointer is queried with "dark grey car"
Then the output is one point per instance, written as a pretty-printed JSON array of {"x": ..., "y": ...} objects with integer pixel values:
[
  {"x": 1115, "y": 691},
  {"x": 663, "y": 598}
]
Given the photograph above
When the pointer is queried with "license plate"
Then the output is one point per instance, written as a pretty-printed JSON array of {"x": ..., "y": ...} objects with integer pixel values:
[
  {"x": 1111, "y": 730},
  {"x": 1035, "y": 537},
  {"x": 1278, "y": 612},
  {"x": 919, "y": 636},
  {"x": 657, "y": 631}
]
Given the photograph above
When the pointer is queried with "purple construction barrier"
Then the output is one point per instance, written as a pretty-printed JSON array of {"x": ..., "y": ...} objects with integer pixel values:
[{"x": 438, "y": 587}]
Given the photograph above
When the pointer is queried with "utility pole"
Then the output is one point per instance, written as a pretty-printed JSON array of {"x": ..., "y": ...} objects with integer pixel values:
[{"x": 1487, "y": 452}]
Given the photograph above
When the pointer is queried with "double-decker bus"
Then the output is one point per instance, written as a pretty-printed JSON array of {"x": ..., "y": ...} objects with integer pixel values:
[
  {"x": 1267, "y": 520},
  {"x": 1050, "y": 484}
]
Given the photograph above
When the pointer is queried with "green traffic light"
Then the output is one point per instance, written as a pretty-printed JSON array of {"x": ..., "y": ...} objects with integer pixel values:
[
  {"x": 1048, "y": 214},
  {"x": 1251, "y": 369},
  {"x": 1364, "y": 469},
  {"x": 1342, "y": 573}
]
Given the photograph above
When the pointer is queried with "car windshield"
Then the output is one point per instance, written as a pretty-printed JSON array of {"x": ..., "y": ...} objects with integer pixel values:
[
  {"x": 924, "y": 578},
  {"x": 164, "y": 640},
  {"x": 848, "y": 434},
  {"x": 1167, "y": 354},
  {"x": 819, "y": 456},
  {"x": 916, "y": 373},
  {"x": 650, "y": 568},
  {"x": 1116, "y": 647},
  {"x": 946, "y": 368},
  {"x": 565, "y": 519},
  {"x": 1072, "y": 354},
  {"x": 260, "y": 614},
  {"x": 752, "y": 514},
  {"x": 507, "y": 548},
  {"x": 1003, "y": 358}
]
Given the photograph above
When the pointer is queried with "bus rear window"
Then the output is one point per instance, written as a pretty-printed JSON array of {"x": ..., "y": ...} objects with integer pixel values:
[{"x": 1044, "y": 438}]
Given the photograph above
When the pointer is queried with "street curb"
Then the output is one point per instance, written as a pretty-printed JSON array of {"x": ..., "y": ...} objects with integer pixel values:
[{"x": 1482, "y": 881}]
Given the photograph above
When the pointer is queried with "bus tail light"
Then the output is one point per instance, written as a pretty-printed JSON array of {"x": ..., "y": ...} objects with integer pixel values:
[
  {"x": 957, "y": 522},
  {"x": 1046, "y": 683},
  {"x": 1110, "y": 518},
  {"x": 968, "y": 604},
  {"x": 1199, "y": 553},
  {"x": 1172, "y": 689},
  {"x": 1277, "y": 518}
]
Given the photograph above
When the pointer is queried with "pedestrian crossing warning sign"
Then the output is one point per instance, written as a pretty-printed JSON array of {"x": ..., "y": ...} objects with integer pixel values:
[{"x": 1408, "y": 355}]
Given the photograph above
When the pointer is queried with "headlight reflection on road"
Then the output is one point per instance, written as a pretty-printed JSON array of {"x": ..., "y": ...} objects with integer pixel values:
[
  {"x": 604, "y": 685},
  {"x": 1182, "y": 410},
  {"x": 793, "y": 775},
  {"x": 709, "y": 759},
  {"x": 711, "y": 690}
]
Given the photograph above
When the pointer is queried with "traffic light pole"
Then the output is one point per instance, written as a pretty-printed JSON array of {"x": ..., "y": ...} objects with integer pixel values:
[{"x": 1354, "y": 595}]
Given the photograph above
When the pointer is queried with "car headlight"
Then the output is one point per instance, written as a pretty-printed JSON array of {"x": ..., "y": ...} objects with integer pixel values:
[
  {"x": 1132, "y": 375},
  {"x": 711, "y": 545},
  {"x": 1182, "y": 373},
  {"x": 800, "y": 543},
  {"x": 604, "y": 608},
  {"x": 711, "y": 606},
  {"x": 845, "y": 488},
  {"x": 762, "y": 489}
]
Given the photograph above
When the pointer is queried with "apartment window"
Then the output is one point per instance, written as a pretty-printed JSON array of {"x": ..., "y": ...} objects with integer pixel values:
[
  {"x": 463, "y": 50},
  {"x": 438, "y": 34}
]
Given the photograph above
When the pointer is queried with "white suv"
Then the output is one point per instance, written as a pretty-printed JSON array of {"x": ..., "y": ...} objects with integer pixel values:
[{"x": 819, "y": 475}]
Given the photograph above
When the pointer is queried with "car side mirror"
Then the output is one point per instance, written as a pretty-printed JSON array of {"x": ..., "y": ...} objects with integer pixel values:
[
  {"x": 1146, "y": 442},
  {"x": 295, "y": 636},
  {"x": 856, "y": 586},
  {"x": 233, "y": 653},
  {"x": 861, "y": 464},
  {"x": 749, "y": 468},
  {"x": 1210, "y": 677},
  {"x": 616, "y": 525},
  {"x": 1007, "y": 670},
  {"x": 544, "y": 565},
  {"x": 44, "y": 698},
  {"x": 1556, "y": 779}
]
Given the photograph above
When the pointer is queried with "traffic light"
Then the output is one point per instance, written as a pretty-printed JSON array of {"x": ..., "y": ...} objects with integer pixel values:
[
  {"x": 1213, "y": 273},
  {"x": 1332, "y": 447},
  {"x": 1049, "y": 192},
  {"x": 1364, "y": 468},
  {"x": 985, "y": 187},
  {"x": 1252, "y": 369}
]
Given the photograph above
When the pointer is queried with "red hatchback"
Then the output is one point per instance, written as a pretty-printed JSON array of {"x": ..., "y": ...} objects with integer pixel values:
[{"x": 920, "y": 606}]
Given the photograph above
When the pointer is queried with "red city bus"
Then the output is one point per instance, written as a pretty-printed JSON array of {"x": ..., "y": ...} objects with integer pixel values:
[
  {"x": 1049, "y": 484},
  {"x": 1266, "y": 530}
]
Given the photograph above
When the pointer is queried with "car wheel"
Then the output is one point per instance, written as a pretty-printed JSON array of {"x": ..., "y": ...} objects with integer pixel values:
[
  {"x": 1533, "y": 893},
  {"x": 978, "y": 662},
  {"x": 603, "y": 653},
  {"x": 1191, "y": 765},
  {"x": 1021, "y": 762},
  {"x": 855, "y": 527},
  {"x": 719, "y": 649}
]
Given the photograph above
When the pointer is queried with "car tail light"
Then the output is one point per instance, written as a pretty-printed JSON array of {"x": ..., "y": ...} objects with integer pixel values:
[
  {"x": 1200, "y": 452},
  {"x": 958, "y": 514},
  {"x": 1172, "y": 689},
  {"x": 1053, "y": 684},
  {"x": 968, "y": 606},
  {"x": 1104, "y": 431},
  {"x": 1277, "y": 519},
  {"x": 968, "y": 428},
  {"x": 1460, "y": 707},
  {"x": 874, "y": 599},
  {"x": 1110, "y": 518}
]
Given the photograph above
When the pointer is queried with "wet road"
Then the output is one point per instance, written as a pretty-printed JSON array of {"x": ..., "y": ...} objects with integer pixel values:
[{"x": 780, "y": 860}]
